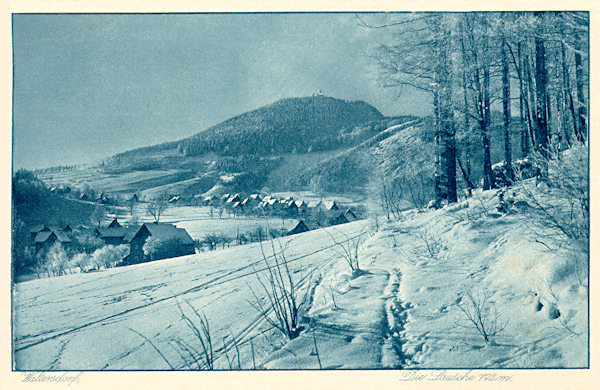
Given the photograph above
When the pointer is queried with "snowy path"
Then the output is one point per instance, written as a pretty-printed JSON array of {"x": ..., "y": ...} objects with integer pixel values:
[
  {"x": 81, "y": 321},
  {"x": 438, "y": 257}
]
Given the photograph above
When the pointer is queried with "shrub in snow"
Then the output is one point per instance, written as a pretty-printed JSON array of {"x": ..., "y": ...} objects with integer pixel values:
[
  {"x": 81, "y": 261},
  {"x": 560, "y": 208},
  {"x": 57, "y": 260},
  {"x": 480, "y": 313},
  {"x": 349, "y": 248},
  {"x": 108, "y": 256},
  {"x": 200, "y": 356},
  {"x": 86, "y": 242},
  {"x": 157, "y": 249}
]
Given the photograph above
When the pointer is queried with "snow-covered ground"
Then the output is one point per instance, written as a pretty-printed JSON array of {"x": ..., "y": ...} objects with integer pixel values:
[
  {"x": 88, "y": 321},
  {"x": 407, "y": 307},
  {"x": 98, "y": 180},
  {"x": 198, "y": 221}
]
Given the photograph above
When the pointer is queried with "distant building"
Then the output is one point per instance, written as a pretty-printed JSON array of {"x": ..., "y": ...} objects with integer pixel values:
[
  {"x": 224, "y": 197},
  {"x": 210, "y": 200},
  {"x": 114, "y": 224},
  {"x": 37, "y": 229},
  {"x": 251, "y": 202},
  {"x": 350, "y": 215},
  {"x": 45, "y": 239},
  {"x": 330, "y": 206},
  {"x": 299, "y": 228},
  {"x": 177, "y": 242},
  {"x": 291, "y": 208},
  {"x": 232, "y": 199},
  {"x": 302, "y": 206},
  {"x": 340, "y": 219},
  {"x": 237, "y": 207}
]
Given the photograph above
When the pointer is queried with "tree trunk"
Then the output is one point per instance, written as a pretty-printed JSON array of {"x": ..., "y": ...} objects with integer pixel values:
[
  {"x": 466, "y": 171},
  {"x": 565, "y": 93},
  {"x": 541, "y": 83},
  {"x": 438, "y": 172},
  {"x": 445, "y": 174},
  {"x": 488, "y": 175},
  {"x": 506, "y": 110},
  {"x": 530, "y": 102},
  {"x": 581, "y": 105},
  {"x": 524, "y": 124}
]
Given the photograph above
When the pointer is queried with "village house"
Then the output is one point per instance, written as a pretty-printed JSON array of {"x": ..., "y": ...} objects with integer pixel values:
[
  {"x": 350, "y": 215},
  {"x": 113, "y": 234},
  {"x": 45, "y": 239},
  {"x": 37, "y": 229},
  {"x": 330, "y": 206},
  {"x": 290, "y": 208},
  {"x": 302, "y": 206},
  {"x": 210, "y": 200},
  {"x": 340, "y": 219},
  {"x": 237, "y": 208},
  {"x": 225, "y": 197},
  {"x": 299, "y": 228},
  {"x": 232, "y": 199},
  {"x": 176, "y": 242},
  {"x": 251, "y": 202},
  {"x": 114, "y": 224}
]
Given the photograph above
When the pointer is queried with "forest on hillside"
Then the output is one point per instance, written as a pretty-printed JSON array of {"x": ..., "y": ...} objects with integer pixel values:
[{"x": 287, "y": 126}]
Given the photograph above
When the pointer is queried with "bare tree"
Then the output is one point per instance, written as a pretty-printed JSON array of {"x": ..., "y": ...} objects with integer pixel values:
[
  {"x": 157, "y": 207},
  {"x": 98, "y": 215}
]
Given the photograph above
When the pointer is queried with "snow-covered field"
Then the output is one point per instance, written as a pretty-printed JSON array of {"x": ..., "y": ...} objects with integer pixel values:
[
  {"x": 113, "y": 183},
  {"x": 87, "y": 321},
  {"x": 407, "y": 308},
  {"x": 198, "y": 222}
]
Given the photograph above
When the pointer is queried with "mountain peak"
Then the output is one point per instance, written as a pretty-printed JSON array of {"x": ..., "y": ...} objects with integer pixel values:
[{"x": 287, "y": 125}]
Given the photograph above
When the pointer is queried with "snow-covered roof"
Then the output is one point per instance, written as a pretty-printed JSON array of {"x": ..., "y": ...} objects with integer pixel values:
[
  {"x": 116, "y": 232},
  {"x": 330, "y": 205},
  {"x": 39, "y": 228},
  {"x": 162, "y": 231},
  {"x": 45, "y": 236},
  {"x": 114, "y": 224}
]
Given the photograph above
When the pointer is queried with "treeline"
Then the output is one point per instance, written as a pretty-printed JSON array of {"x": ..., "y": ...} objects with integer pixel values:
[
  {"x": 287, "y": 126},
  {"x": 472, "y": 63}
]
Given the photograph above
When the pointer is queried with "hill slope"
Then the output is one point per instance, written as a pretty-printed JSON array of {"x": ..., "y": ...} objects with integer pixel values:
[{"x": 251, "y": 147}]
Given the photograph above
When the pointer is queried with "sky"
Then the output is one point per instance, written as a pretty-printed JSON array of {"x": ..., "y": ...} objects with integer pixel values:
[{"x": 88, "y": 86}]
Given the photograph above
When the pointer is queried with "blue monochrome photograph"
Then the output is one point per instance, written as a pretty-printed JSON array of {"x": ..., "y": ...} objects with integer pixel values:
[{"x": 300, "y": 191}]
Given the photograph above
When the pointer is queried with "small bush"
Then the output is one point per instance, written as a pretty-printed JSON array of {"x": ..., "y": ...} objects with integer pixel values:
[
  {"x": 480, "y": 313},
  {"x": 57, "y": 259},
  {"x": 349, "y": 249},
  {"x": 108, "y": 256}
]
